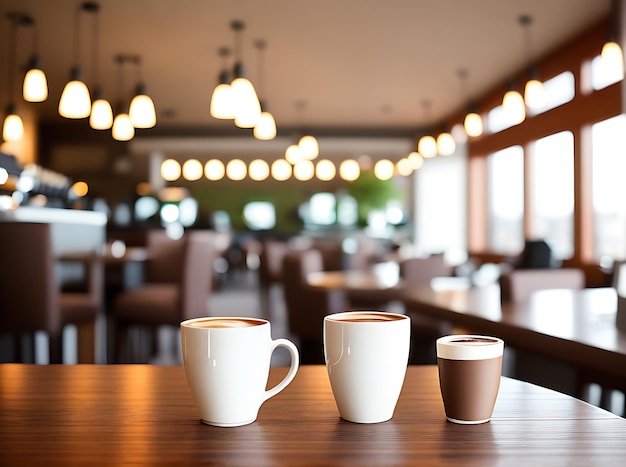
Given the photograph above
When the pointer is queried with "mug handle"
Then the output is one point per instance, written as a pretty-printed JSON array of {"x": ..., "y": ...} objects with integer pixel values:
[{"x": 295, "y": 362}]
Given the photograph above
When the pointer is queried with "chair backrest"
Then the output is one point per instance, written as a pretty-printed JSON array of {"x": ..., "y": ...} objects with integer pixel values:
[
  {"x": 271, "y": 260},
  {"x": 307, "y": 307},
  {"x": 165, "y": 257},
  {"x": 29, "y": 292},
  {"x": 518, "y": 284},
  {"x": 418, "y": 272},
  {"x": 537, "y": 254},
  {"x": 197, "y": 273}
]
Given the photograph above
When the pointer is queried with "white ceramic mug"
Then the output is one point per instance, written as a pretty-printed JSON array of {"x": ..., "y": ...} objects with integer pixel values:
[
  {"x": 227, "y": 363},
  {"x": 367, "y": 353}
]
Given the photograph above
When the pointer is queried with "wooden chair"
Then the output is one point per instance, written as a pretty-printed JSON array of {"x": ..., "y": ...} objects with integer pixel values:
[
  {"x": 178, "y": 286},
  {"x": 270, "y": 270},
  {"x": 307, "y": 307},
  {"x": 517, "y": 285},
  {"x": 31, "y": 298}
]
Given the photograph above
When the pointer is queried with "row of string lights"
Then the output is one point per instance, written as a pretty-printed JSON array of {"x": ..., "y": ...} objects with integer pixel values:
[{"x": 76, "y": 101}]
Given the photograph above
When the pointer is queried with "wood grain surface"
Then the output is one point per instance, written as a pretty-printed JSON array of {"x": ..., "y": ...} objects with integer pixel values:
[{"x": 141, "y": 414}]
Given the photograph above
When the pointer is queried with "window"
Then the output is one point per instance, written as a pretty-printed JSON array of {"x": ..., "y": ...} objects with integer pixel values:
[
  {"x": 321, "y": 209},
  {"x": 259, "y": 215},
  {"x": 552, "y": 193},
  {"x": 604, "y": 73},
  {"x": 506, "y": 200},
  {"x": 609, "y": 188},
  {"x": 557, "y": 91},
  {"x": 440, "y": 205}
]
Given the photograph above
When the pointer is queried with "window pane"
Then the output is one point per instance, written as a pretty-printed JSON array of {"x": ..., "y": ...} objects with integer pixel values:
[
  {"x": 506, "y": 200},
  {"x": 603, "y": 73},
  {"x": 609, "y": 187},
  {"x": 441, "y": 205},
  {"x": 552, "y": 193},
  {"x": 557, "y": 91},
  {"x": 259, "y": 215}
]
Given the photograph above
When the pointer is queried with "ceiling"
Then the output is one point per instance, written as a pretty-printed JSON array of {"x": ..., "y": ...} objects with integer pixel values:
[{"x": 356, "y": 64}]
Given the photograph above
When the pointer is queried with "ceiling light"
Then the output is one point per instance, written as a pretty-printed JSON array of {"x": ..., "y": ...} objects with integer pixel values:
[
  {"x": 281, "y": 170},
  {"x": 404, "y": 167},
  {"x": 513, "y": 105},
  {"x": 383, "y": 169},
  {"x": 75, "y": 101},
  {"x": 192, "y": 170},
  {"x": 427, "y": 146},
  {"x": 214, "y": 170},
  {"x": 473, "y": 122},
  {"x": 141, "y": 111},
  {"x": 533, "y": 90},
  {"x": 259, "y": 170},
  {"x": 304, "y": 170},
  {"x": 12, "y": 128},
  {"x": 265, "y": 129},
  {"x": 349, "y": 170},
  {"x": 170, "y": 170},
  {"x": 35, "y": 87},
  {"x": 293, "y": 155},
  {"x": 123, "y": 129},
  {"x": 612, "y": 54},
  {"x": 308, "y": 147},
  {"x": 101, "y": 114},
  {"x": 236, "y": 169},
  {"x": 416, "y": 159},
  {"x": 446, "y": 146},
  {"x": 222, "y": 105},
  {"x": 248, "y": 108},
  {"x": 325, "y": 170}
]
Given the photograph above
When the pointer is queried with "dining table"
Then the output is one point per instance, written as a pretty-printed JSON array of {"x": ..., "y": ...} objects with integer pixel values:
[
  {"x": 573, "y": 326},
  {"x": 145, "y": 415}
]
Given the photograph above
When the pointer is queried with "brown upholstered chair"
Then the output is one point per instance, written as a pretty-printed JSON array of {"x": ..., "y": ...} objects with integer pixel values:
[
  {"x": 270, "y": 270},
  {"x": 31, "y": 299},
  {"x": 417, "y": 272},
  {"x": 177, "y": 287},
  {"x": 307, "y": 307},
  {"x": 517, "y": 285}
]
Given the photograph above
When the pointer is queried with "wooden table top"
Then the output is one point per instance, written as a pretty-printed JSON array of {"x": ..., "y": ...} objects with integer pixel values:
[
  {"x": 121, "y": 414},
  {"x": 576, "y": 326}
]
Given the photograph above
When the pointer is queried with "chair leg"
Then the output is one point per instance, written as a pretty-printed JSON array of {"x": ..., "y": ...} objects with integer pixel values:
[
  {"x": 86, "y": 339},
  {"x": 56, "y": 347}
]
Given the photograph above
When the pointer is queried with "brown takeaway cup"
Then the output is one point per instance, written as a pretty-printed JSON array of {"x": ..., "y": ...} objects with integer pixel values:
[{"x": 470, "y": 368}]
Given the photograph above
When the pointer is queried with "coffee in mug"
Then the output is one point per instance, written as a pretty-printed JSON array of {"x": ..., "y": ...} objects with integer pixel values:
[
  {"x": 227, "y": 364},
  {"x": 366, "y": 354},
  {"x": 470, "y": 367}
]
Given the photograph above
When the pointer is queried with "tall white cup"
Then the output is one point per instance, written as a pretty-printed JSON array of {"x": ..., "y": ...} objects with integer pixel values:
[
  {"x": 367, "y": 353},
  {"x": 227, "y": 363}
]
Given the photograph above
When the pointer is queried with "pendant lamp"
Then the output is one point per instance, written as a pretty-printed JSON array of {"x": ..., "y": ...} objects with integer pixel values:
[
  {"x": 101, "y": 115},
  {"x": 123, "y": 129},
  {"x": 265, "y": 129},
  {"x": 142, "y": 112},
  {"x": 248, "y": 108},
  {"x": 427, "y": 145},
  {"x": 222, "y": 104},
  {"x": 75, "y": 100},
  {"x": 35, "y": 85},
  {"x": 13, "y": 127},
  {"x": 533, "y": 90},
  {"x": 473, "y": 122}
]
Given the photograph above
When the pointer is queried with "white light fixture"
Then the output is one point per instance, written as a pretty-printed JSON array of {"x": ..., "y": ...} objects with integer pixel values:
[
  {"x": 101, "y": 114},
  {"x": 404, "y": 167},
  {"x": 170, "y": 170},
  {"x": 383, "y": 169},
  {"x": 293, "y": 155},
  {"x": 192, "y": 170},
  {"x": 309, "y": 147},
  {"x": 281, "y": 170},
  {"x": 214, "y": 170},
  {"x": 427, "y": 146},
  {"x": 304, "y": 170},
  {"x": 265, "y": 129},
  {"x": 533, "y": 90},
  {"x": 35, "y": 86},
  {"x": 123, "y": 129},
  {"x": 473, "y": 122},
  {"x": 248, "y": 108},
  {"x": 236, "y": 169},
  {"x": 12, "y": 128},
  {"x": 446, "y": 146},
  {"x": 325, "y": 170},
  {"x": 612, "y": 54},
  {"x": 141, "y": 111},
  {"x": 513, "y": 105},
  {"x": 222, "y": 105},
  {"x": 349, "y": 170},
  {"x": 75, "y": 100},
  {"x": 416, "y": 160},
  {"x": 259, "y": 170}
]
